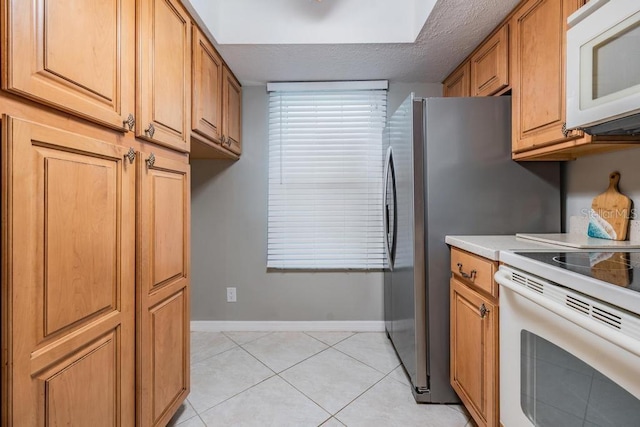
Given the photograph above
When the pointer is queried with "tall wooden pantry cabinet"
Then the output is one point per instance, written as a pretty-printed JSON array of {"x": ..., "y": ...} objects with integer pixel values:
[{"x": 95, "y": 138}]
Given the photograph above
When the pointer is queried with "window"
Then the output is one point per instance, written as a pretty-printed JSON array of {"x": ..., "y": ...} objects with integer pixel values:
[{"x": 325, "y": 175}]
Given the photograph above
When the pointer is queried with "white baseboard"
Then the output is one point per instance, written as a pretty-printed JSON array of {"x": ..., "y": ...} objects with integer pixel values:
[{"x": 272, "y": 326}]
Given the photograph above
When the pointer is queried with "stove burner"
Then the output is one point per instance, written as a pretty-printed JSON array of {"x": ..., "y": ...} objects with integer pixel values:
[{"x": 592, "y": 261}]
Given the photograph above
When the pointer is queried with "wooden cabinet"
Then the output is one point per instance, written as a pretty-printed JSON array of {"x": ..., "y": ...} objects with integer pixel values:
[
  {"x": 538, "y": 56},
  {"x": 68, "y": 262},
  {"x": 474, "y": 336},
  {"x": 163, "y": 86},
  {"x": 216, "y": 102},
  {"x": 539, "y": 87},
  {"x": 458, "y": 82},
  {"x": 163, "y": 288},
  {"x": 527, "y": 54},
  {"x": 206, "y": 96},
  {"x": 490, "y": 65},
  {"x": 77, "y": 57},
  {"x": 231, "y": 112},
  {"x": 95, "y": 294}
]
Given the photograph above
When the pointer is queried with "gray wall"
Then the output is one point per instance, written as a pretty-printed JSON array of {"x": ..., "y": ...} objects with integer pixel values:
[
  {"x": 229, "y": 238},
  {"x": 587, "y": 177}
]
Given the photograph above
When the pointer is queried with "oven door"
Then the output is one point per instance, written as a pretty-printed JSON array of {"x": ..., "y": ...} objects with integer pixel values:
[
  {"x": 556, "y": 373},
  {"x": 603, "y": 59}
]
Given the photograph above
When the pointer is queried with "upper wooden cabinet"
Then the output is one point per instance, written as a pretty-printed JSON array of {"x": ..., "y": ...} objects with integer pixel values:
[
  {"x": 163, "y": 92},
  {"x": 210, "y": 99},
  {"x": 231, "y": 112},
  {"x": 490, "y": 64},
  {"x": 527, "y": 54},
  {"x": 539, "y": 73},
  {"x": 73, "y": 56},
  {"x": 206, "y": 97},
  {"x": 458, "y": 82}
]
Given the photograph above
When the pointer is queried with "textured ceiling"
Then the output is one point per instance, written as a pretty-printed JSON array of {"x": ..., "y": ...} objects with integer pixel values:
[{"x": 451, "y": 32}]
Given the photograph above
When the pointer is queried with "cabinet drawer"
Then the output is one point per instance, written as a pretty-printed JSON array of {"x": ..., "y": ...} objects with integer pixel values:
[{"x": 474, "y": 270}]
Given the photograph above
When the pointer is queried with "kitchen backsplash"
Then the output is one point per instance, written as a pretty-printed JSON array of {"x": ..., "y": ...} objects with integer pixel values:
[{"x": 588, "y": 176}]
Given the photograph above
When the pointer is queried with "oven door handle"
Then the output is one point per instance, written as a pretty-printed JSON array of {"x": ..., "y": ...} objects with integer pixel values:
[{"x": 613, "y": 336}]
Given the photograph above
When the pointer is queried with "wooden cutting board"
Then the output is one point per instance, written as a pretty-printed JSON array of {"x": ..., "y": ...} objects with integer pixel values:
[{"x": 609, "y": 216}]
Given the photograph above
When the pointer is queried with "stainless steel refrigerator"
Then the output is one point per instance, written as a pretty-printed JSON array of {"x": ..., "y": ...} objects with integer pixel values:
[{"x": 448, "y": 171}]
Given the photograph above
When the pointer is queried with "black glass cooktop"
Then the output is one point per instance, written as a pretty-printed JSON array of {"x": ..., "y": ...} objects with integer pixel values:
[{"x": 616, "y": 268}]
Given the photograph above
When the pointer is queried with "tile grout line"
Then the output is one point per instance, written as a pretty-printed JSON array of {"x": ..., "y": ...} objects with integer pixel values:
[
  {"x": 365, "y": 363},
  {"x": 248, "y": 388},
  {"x": 214, "y": 355},
  {"x": 267, "y": 333},
  {"x": 336, "y": 343}
]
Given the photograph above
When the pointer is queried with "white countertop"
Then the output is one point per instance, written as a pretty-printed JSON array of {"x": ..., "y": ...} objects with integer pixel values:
[{"x": 490, "y": 246}]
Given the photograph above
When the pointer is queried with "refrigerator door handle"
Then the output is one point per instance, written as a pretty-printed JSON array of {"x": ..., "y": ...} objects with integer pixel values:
[
  {"x": 386, "y": 220},
  {"x": 385, "y": 208}
]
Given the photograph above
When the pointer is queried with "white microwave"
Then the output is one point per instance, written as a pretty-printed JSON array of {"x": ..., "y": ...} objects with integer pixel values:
[{"x": 603, "y": 68}]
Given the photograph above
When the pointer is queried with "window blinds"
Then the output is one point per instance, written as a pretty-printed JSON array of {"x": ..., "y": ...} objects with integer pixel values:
[{"x": 325, "y": 179}]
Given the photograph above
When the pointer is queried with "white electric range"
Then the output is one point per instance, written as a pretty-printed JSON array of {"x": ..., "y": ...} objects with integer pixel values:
[{"x": 569, "y": 338}]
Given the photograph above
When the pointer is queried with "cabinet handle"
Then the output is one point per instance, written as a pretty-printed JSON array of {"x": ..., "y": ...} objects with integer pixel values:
[
  {"x": 223, "y": 140},
  {"x": 483, "y": 311},
  {"x": 470, "y": 276},
  {"x": 131, "y": 155},
  {"x": 129, "y": 122},
  {"x": 565, "y": 131},
  {"x": 229, "y": 141},
  {"x": 150, "y": 131},
  {"x": 151, "y": 160}
]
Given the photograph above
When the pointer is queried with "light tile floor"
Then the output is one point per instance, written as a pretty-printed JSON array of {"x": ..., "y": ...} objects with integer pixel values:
[{"x": 299, "y": 379}]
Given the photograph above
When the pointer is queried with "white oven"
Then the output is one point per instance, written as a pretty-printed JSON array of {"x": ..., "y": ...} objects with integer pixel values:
[
  {"x": 565, "y": 359},
  {"x": 603, "y": 67}
]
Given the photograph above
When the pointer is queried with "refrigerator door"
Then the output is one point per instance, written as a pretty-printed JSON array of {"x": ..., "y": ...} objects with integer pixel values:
[
  {"x": 473, "y": 187},
  {"x": 405, "y": 296}
]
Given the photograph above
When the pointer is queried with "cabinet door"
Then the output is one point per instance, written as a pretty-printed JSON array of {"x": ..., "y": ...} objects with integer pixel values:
[
  {"x": 538, "y": 30},
  {"x": 232, "y": 112},
  {"x": 164, "y": 73},
  {"x": 490, "y": 65},
  {"x": 206, "y": 95},
  {"x": 76, "y": 56},
  {"x": 457, "y": 84},
  {"x": 68, "y": 259},
  {"x": 162, "y": 288},
  {"x": 474, "y": 355}
]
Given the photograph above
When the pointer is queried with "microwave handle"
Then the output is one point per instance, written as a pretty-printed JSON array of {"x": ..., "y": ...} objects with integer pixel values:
[
  {"x": 614, "y": 337},
  {"x": 585, "y": 11}
]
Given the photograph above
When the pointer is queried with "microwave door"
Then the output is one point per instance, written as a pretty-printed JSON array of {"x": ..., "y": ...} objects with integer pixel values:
[{"x": 603, "y": 59}]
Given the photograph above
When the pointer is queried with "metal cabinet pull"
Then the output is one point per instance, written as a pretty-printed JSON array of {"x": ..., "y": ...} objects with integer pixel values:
[
  {"x": 565, "y": 131},
  {"x": 131, "y": 155},
  {"x": 129, "y": 122},
  {"x": 470, "y": 276},
  {"x": 150, "y": 131},
  {"x": 223, "y": 140},
  {"x": 151, "y": 160},
  {"x": 483, "y": 311}
]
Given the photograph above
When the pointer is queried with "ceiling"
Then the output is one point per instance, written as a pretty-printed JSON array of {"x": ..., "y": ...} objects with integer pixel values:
[{"x": 451, "y": 31}]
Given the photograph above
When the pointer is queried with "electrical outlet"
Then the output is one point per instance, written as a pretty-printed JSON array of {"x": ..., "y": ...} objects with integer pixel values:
[{"x": 231, "y": 295}]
